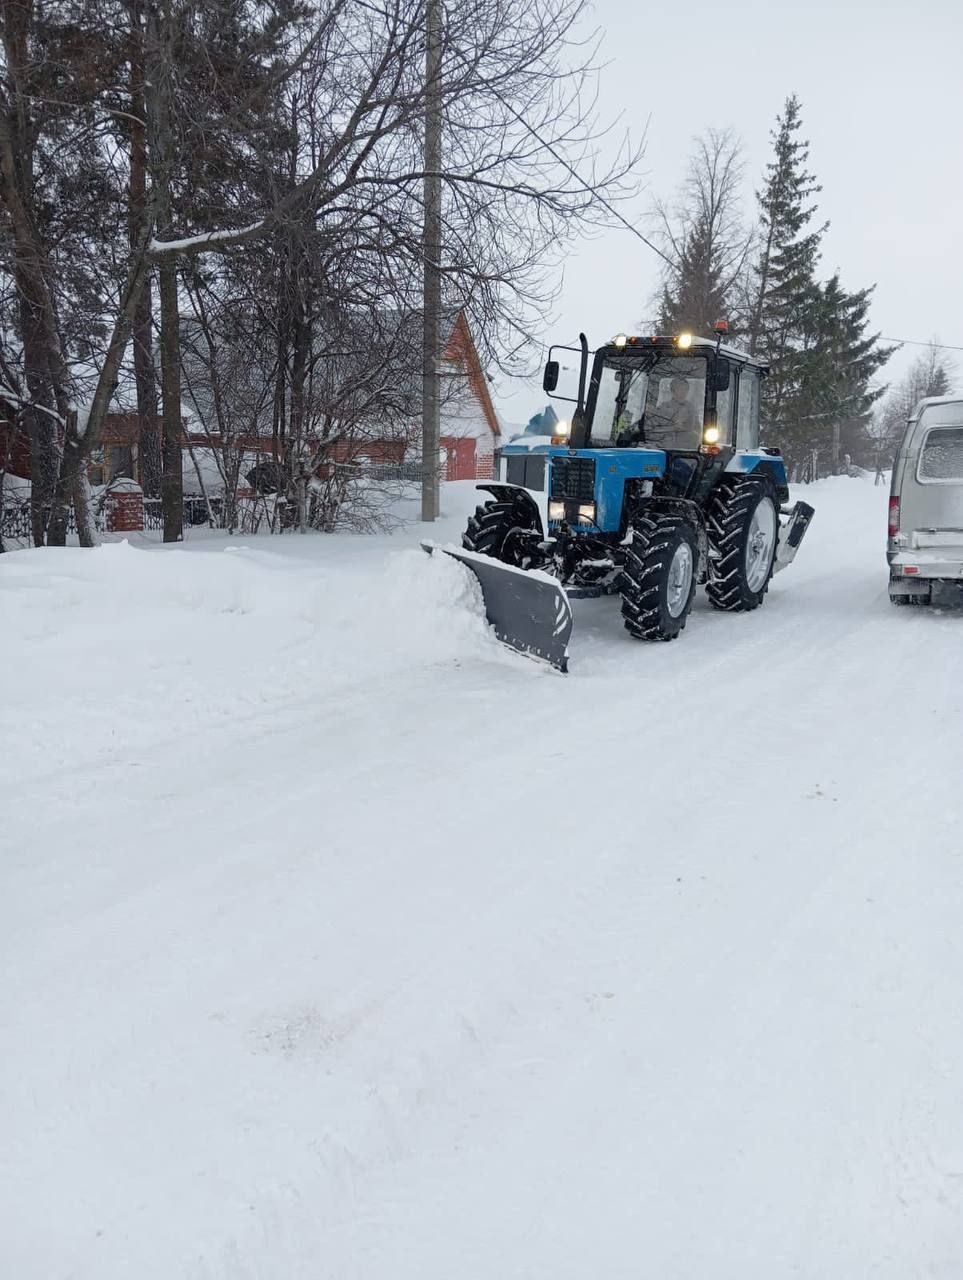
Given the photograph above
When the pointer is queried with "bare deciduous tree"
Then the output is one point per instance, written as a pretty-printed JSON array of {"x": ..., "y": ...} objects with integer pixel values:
[
  {"x": 288, "y": 142},
  {"x": 704, "y": 236}
]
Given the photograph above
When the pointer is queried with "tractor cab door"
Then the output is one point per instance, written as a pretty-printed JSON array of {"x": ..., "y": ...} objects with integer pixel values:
[{"x": 675, "y": 404}]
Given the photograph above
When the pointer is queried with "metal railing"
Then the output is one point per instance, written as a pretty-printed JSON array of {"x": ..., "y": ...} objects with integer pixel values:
[
  {"x": 16, "y": 523},
  {"x": 196, "y": 513}
]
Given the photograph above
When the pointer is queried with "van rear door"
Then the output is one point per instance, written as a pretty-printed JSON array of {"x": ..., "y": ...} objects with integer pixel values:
[{"x": 931, "y": 500}]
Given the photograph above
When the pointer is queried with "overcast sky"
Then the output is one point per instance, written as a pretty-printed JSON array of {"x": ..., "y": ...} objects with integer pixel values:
[{"x": 881, "y": 87}]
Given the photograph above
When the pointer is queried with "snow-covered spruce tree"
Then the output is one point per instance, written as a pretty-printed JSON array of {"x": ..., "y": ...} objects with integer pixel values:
[
  {"x": 703, "y": 235},
  {"x": 813, "y": 335},
  {"x": 783, "y": 312},
  {"x": 830, "y": 407}
]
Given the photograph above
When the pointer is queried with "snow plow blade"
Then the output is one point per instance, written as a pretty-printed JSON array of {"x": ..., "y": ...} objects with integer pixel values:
[
  {"x": 528, "y": 610},
  {"x": 791, "y": 534}
]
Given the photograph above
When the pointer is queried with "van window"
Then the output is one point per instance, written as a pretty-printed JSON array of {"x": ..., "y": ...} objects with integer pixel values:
[{"x": 941, "y": 458}]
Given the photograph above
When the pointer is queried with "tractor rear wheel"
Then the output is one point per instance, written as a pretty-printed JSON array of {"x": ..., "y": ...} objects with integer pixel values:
[
  {"x": 659, "y": 577},
  {"x": 742, "y": 520}
]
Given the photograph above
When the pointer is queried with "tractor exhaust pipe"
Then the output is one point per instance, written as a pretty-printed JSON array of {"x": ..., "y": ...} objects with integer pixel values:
[{"x": 578, "y": 437}]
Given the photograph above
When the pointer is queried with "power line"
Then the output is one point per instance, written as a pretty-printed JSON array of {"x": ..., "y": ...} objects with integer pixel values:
[
  {"x": 915, "y": 342},
  {"x": 581, "y": 181},
  {"x": 908, "y": 342}
]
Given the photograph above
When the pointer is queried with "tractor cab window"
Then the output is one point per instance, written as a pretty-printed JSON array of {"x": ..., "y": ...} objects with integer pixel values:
[
  {"x": 724, "y": 411},
  {"x": 747, "y": 427},
  {"x": 619, "y": 400},
  {"x": 675, "y": 404},
  {"x": 650, "y": 399}
]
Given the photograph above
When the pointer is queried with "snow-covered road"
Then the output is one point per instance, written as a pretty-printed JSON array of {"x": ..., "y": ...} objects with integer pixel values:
[{"x": 339, "y": 944}]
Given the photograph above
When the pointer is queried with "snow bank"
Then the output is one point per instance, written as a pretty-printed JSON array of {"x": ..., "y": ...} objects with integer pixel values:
[{"x": 116, "y": 650}]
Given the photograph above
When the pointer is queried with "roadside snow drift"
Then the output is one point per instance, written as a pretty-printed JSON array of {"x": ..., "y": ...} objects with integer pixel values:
[
  {"x": 125, "y": 649},
  {"x": 339, "y": 944}
]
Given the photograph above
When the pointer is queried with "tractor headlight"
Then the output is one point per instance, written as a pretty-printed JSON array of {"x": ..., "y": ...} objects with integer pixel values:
[
  {"x": 684, "y": 341},
  {"x": 561, "y": 432},
  {"x": 710, "y": 435},
  {"x": 586, "y": 513},
  {"x": 556, "y": 511}
]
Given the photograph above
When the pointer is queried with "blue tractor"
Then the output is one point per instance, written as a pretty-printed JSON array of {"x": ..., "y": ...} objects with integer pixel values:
[{"x": 655, "y": 484}]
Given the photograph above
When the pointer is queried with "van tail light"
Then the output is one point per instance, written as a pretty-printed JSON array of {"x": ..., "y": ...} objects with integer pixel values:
[{"x": 893, "y": 517}]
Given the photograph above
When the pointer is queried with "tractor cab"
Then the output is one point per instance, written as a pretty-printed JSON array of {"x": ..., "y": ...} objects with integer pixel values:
[{"x": 679, "y": 394}]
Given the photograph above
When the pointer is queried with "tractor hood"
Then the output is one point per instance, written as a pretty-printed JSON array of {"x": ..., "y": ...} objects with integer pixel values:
[{"x": 555, "y": 473}]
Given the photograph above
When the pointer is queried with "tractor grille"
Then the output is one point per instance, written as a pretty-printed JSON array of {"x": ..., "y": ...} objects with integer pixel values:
[{"x": 573, "y": 479}]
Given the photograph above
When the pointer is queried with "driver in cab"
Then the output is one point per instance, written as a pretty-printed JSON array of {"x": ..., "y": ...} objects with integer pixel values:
[{"x": 675, "y": 423}]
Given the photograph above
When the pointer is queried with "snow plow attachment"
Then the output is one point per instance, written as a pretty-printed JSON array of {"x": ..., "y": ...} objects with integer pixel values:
[
  {"x": 791, "y": 534},
  {"x": 528, "y": 610}
]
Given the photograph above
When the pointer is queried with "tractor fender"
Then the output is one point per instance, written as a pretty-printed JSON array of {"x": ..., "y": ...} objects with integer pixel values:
[
  {"x": 528, "y": 501},
  {"x": 765, "y": 462}
]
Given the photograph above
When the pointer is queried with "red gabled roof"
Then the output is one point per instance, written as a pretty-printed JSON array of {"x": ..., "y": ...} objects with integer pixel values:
[{"x": 462, "y": 344}]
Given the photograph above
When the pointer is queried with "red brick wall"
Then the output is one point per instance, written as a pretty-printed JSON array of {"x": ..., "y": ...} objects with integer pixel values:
[
  {"x": 461, "y": 463},
  {"x": 379, "y": 451},
  {"x": 15, "y": 444}
]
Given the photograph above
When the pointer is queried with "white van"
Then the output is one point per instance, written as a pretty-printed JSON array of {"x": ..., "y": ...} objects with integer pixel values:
[{"x": 925, "y": 549}]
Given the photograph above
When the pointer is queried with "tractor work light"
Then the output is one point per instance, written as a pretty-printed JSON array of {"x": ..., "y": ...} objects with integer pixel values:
[
  {"x": 710, "y": 435},
  {"x": 556, "y": 511},
  {"x": 620, "y": 341},
  {"x": 684, "y": 341},
  {"x": 586, "y": 513},
  {"x": 561, "y": 432}
]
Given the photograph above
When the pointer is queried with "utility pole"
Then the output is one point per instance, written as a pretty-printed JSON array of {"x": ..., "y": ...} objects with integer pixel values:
[{"x": 431, "y": 305}]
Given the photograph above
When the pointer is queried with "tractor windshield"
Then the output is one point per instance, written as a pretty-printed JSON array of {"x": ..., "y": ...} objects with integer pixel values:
[{"x": 650, "y": 398}]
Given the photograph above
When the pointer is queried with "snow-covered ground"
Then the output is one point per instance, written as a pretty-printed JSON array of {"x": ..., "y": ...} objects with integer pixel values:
[{"x": 339, "y": 944}]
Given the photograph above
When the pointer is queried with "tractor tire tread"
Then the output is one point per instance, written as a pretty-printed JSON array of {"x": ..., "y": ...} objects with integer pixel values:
[
  {"x": 486, "y": 529},
  {"x": 728, "y": 513},
  {"x": 646, "y": 562}
]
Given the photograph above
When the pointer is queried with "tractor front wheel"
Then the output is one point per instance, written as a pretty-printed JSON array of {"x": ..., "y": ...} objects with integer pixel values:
[
  {"x": 494, "y": 531},
  {"x": 659, "y": 577},
  {"x": 743, "y": 525}
]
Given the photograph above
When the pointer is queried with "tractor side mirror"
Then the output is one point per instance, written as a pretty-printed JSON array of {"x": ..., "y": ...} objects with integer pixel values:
[
  {"x": 550, "y": 377},
  {"x": 720, "y": 379}
]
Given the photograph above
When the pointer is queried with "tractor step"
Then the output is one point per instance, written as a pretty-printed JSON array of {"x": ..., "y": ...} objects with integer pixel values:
[{"x": 528, "y": 610}]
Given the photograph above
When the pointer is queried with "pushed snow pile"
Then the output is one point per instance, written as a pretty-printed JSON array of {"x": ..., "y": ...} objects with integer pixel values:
[{"x": 132, "y": 646}]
